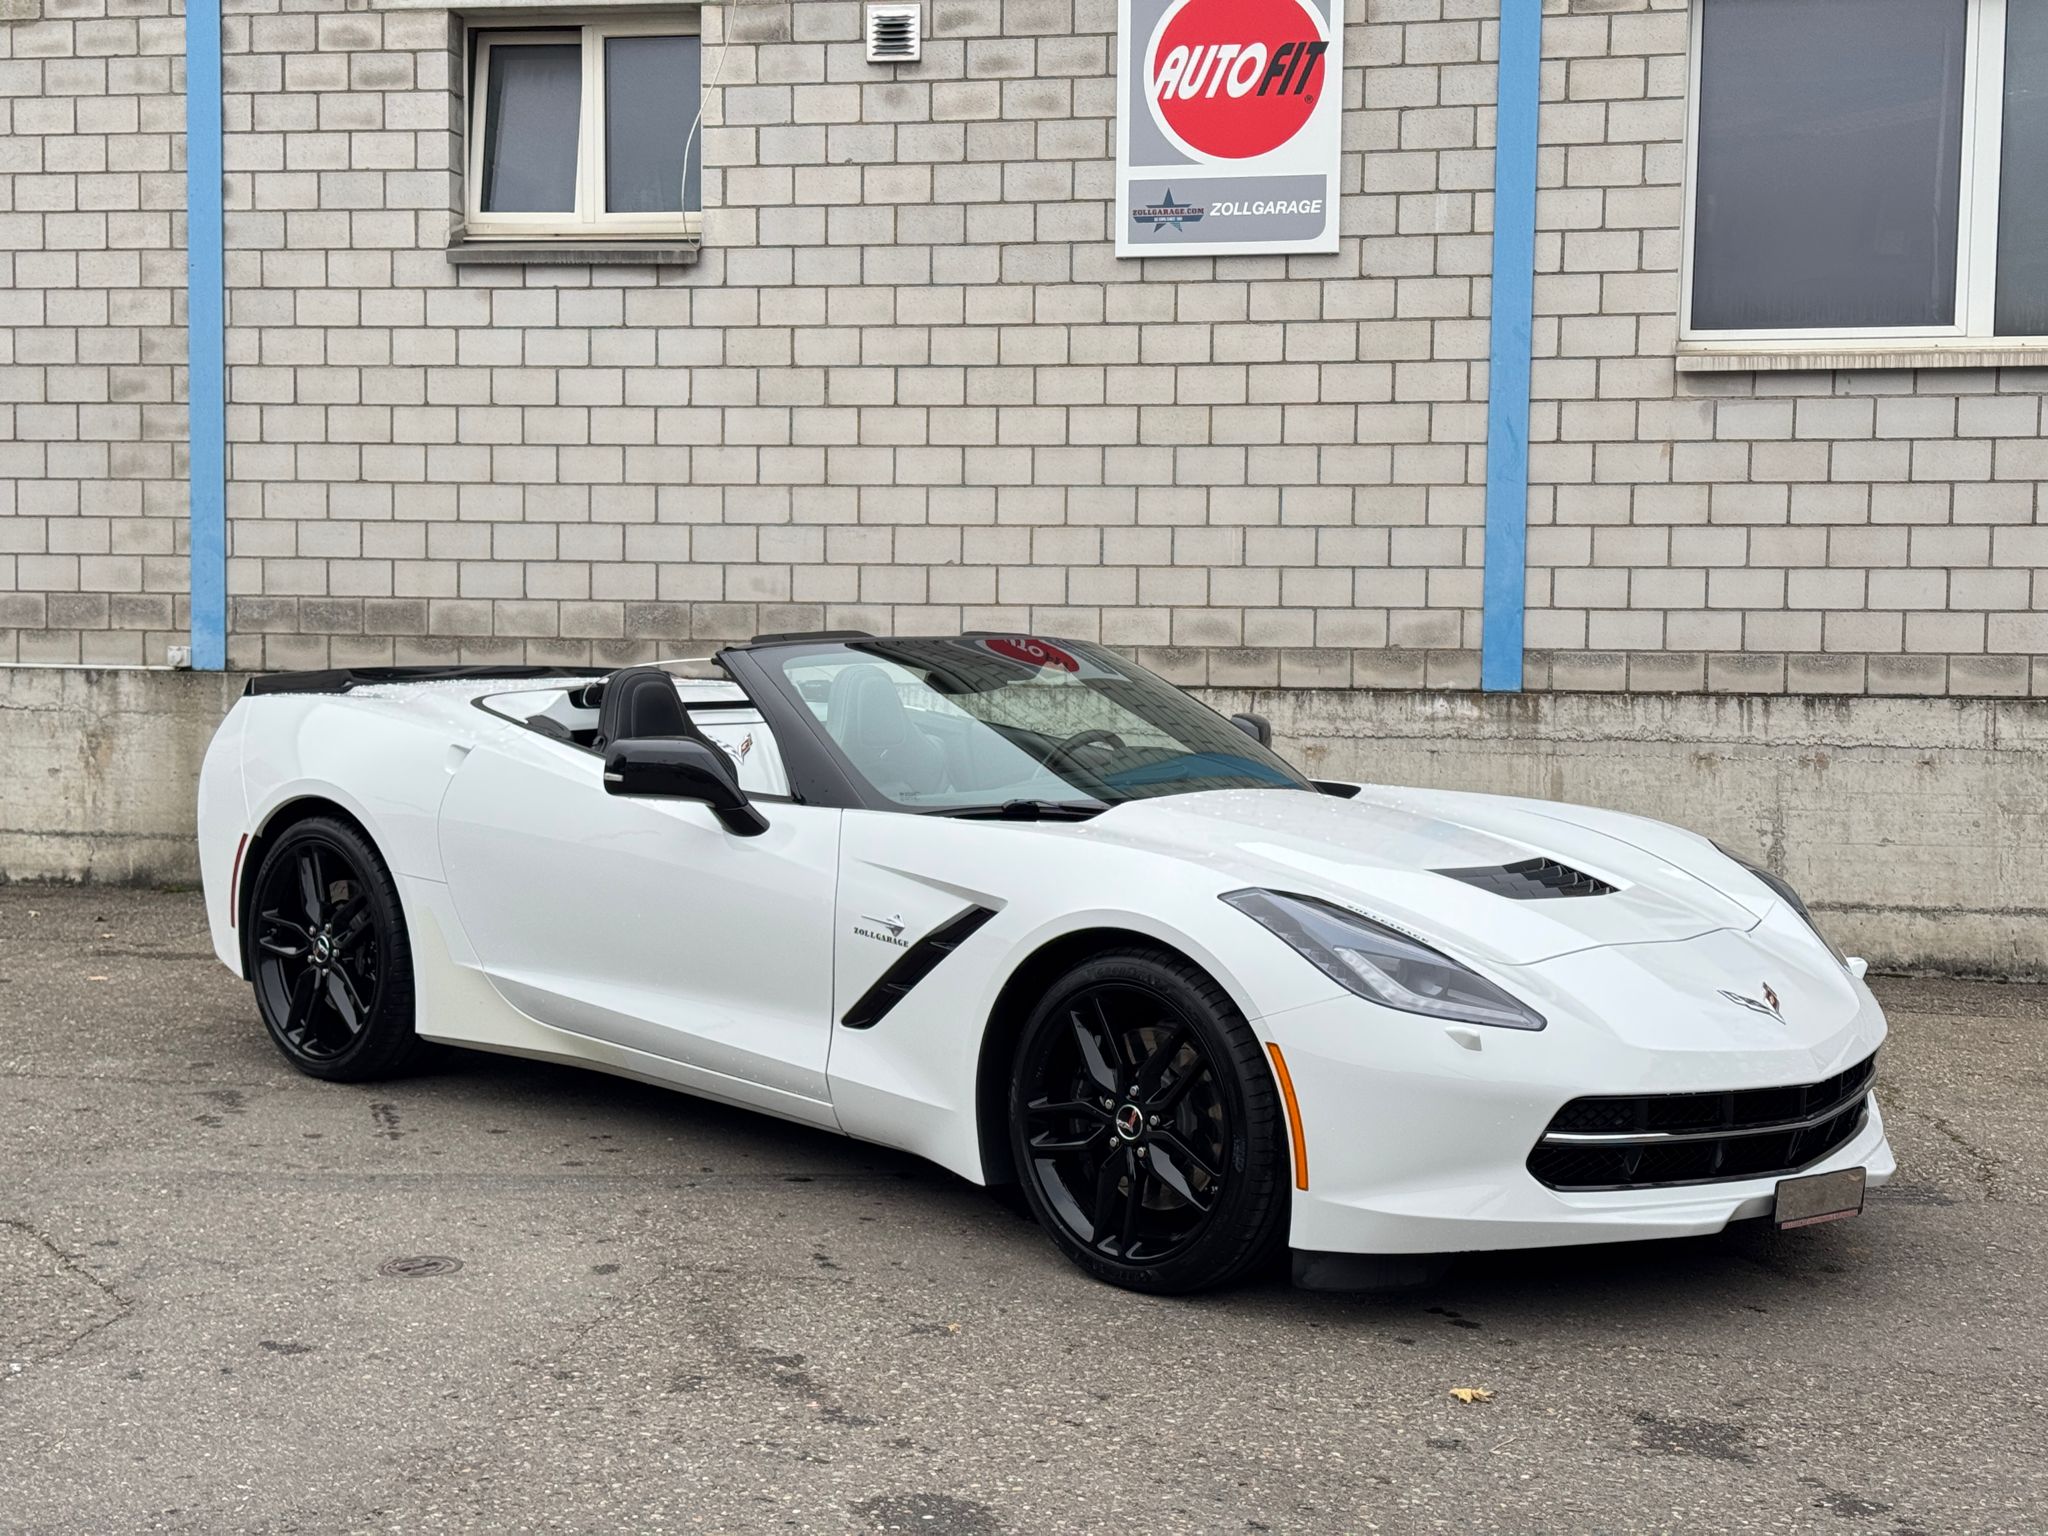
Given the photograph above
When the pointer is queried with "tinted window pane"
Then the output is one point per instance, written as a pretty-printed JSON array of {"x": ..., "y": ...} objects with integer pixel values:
[
  {"x": 650, "y": 100},
  {"x": 530, "y": 112},
  {"x": 1830, "y": 159},
  {"x": 2023, "y": 174}
]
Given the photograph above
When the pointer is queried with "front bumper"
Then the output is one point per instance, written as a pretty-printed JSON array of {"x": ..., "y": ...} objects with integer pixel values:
[{"x": 1418, "y": 1144}]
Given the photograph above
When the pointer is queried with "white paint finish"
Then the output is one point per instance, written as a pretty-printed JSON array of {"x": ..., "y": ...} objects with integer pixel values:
[
  {"x": 910, "y": 1081},
  {"x": 1379, "y": 852},
  {"x": 644, "y": 922},
  {"x": 1418, "y": 1145},
  {"x": 454, "y": 993},
  {"x": 223, "y": 825},
  {"x": 641, "y": 938},
  {"x": 380, "y": 757}
]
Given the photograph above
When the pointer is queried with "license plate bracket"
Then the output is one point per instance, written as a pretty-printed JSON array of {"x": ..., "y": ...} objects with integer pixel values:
[{"x": 1817, "y": 1197}]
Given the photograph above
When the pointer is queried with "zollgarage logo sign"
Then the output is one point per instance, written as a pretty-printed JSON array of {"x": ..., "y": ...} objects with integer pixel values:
[{"x": 1228, "y": 126}]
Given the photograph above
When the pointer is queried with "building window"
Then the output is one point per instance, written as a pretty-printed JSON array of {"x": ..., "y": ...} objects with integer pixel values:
[
  {"x": 1868, "y": 170},
  {"x": 587, "y": 131}
]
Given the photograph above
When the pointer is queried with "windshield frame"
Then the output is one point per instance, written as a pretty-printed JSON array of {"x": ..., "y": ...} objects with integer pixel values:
[{"x": 820, "y": 773}]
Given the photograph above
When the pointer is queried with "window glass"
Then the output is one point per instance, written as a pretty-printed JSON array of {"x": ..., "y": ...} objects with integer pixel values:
[
  {"x": 745, "y": 738},
  {"x": 982, "y": 720},
  {"x": 2023, "y": 174},
  {"x": 531, "y": 108},
  {"x": 1829, "y": 163},
  {"x": 650, "y": 101}
]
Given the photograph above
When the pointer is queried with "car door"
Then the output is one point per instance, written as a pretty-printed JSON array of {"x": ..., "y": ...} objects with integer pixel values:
[{"x": 644, "y": 923}]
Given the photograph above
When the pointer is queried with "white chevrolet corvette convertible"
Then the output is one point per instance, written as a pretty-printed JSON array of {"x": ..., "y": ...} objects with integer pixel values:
[{"x": 1024, "y": 909}]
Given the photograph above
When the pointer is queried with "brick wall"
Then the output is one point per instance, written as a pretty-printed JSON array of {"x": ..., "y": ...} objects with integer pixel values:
[
  {"x": 92, "y": 345},
  {"x": 908, "y": 387},
  {"x": 1867, "y": 530}
]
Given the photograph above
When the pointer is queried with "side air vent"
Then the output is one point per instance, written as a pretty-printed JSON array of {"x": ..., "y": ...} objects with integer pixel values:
[
  {"x": 1532, "y": 880},
  {"x": 895, "y": 35},
  {"x": 912, "y": 966}
]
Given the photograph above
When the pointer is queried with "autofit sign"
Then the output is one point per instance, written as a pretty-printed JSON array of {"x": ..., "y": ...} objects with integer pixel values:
[{"x": 1229, "y": 117}]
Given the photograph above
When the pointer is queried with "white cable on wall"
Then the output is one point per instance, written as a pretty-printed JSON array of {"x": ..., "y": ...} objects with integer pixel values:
[{"x": 704, "y": 96}]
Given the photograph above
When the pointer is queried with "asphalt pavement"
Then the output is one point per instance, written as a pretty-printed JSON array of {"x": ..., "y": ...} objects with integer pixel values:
[{"x": 510, "y": 1297}]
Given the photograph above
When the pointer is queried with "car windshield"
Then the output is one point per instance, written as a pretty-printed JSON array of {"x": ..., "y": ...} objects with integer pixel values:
[{"x": 989, "y": 721}]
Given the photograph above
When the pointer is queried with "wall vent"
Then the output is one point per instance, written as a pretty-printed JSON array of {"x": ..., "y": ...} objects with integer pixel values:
[{"x": 895, "y": 34}]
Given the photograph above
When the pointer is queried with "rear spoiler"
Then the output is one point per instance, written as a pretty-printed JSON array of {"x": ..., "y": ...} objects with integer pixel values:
[{"x": 341, "y": 680}]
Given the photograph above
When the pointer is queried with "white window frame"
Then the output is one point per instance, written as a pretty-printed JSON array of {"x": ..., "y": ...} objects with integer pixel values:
[
  {"x": 589, "y": 221},
  {"x": 1976, "y": 220}
]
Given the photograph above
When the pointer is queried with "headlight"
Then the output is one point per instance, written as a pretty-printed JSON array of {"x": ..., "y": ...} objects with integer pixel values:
[
  {"x": 1784, "y": 892},
  {"x": 1382, "y": 965}
]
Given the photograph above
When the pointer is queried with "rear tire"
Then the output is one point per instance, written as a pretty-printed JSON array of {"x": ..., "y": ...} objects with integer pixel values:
[
  {"x": 1146, "y": 1127},
  {"x": 329, "y": 957}
]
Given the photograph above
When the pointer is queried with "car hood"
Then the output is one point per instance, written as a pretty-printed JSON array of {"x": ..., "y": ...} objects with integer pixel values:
[{"x": 1381, "y": 852}]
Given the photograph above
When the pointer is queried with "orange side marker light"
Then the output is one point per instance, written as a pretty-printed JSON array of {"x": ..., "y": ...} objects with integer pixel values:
[{"x": 1293, "y": 1117}]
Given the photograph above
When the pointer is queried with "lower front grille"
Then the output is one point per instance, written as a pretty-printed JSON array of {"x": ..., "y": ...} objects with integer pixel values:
[{"x": 1655, "y": 1140}]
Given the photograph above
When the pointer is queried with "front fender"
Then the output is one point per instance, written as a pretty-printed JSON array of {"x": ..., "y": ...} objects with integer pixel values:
[{"x": 912, "y": 1080}]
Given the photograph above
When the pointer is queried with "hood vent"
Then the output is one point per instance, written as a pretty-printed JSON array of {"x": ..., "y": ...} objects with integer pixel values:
[{"x": 1532, "y": 880}]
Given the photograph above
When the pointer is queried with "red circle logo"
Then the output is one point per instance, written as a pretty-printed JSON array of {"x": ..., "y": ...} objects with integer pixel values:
[
  {"x": 1233, "y": 81},
  {"x": 1033, "y": 653}
]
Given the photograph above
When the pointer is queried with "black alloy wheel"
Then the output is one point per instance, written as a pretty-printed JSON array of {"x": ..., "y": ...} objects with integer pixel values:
[
  {"x": 328, "y": 954},
  {"x": 1145, "y": 1126}
]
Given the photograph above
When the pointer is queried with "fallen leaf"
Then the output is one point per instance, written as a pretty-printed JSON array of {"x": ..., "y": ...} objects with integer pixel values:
[{"x": 1472, "y": 1394}]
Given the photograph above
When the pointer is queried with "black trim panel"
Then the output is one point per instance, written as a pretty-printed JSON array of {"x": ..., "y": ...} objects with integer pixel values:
[
  {"x": 912, "y": 966},
  {"x": 798, "y": 636},
  {"x": 1536, "y": 879},
  {"x": 342, "y": 679},
  {"x": 1659, "y": 1141},
  {"x": 815, "y": 775}
]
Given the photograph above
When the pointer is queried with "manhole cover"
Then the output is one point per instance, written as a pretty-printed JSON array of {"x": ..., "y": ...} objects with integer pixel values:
[{"x": 419, "y": 1267}]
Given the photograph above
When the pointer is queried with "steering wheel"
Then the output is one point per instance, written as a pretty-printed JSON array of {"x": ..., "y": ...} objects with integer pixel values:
[{"x": 1072, "y": 744}]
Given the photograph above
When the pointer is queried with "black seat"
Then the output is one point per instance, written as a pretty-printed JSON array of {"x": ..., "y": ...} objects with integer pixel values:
[{"x": 642, "y": 701}]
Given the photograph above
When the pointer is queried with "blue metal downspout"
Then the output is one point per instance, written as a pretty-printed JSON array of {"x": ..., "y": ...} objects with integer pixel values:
[
  {"x": 205, "y": 332},
  {"x": 1510, "y": 345}
]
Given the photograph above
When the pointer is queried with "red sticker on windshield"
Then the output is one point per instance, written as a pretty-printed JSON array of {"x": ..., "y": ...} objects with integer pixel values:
[{"x": 1033, "y": 653}]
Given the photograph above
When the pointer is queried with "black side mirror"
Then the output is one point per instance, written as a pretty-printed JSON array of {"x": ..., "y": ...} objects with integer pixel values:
[
  {"x": 681, "y": 768},
  {"x": 1258, "y": 727}
]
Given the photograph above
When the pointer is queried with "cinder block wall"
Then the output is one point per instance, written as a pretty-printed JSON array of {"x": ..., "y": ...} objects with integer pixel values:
[
  {"x": 908, "y": 387},
  {"x": 92, "y": 340},
  {"x": 1868, "y": 529}
]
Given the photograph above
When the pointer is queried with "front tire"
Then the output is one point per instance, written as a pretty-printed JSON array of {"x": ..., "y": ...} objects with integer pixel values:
[
  {"x": 329, "y": 957},
  {"x": 1146, "y": 1128}
]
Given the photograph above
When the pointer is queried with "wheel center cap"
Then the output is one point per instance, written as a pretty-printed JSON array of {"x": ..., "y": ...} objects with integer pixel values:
[
  {"x": 1130, "y": 1120},
  {"x": 323, "y": 950}
]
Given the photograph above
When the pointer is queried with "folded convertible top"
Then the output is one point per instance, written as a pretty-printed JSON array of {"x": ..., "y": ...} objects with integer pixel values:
[{"x": 341, "y": 680}]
